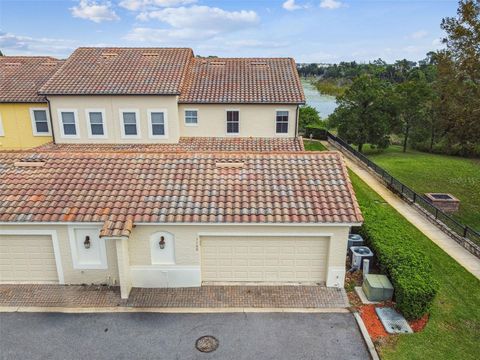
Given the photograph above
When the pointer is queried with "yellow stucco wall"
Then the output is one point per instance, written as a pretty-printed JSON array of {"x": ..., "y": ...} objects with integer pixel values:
[{"x": 17, "y": 126}]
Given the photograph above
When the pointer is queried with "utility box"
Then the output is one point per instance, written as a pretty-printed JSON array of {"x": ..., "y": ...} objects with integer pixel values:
[{"x": 377, "y": 287}]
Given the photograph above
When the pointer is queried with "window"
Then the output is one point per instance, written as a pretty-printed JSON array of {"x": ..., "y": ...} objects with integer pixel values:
[
  {"x": 191, "y": 117},
  {"x": 233, "y": 123},
  {"x": 40, "y": 122},
  {"x": 68, "y": 123},
  {"x": 282, "y": 122},
  {"x": 2, "y": 133},
  {"x": 129, "y": 123},
  {"x": 158, "y": 123},
  {"x": 95, "y": 123}
]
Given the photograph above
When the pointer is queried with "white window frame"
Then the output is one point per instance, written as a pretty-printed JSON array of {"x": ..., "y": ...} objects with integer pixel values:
[
  {"x": 185, "y": 117},
  {"x": 226, "y": 122},
  {"x": 34, "y": 124},
  {"x": 288, "y": 123},
  {"x": 89, "y": 127},
  {"x": 60, "y": 123},
  {"x": 122, "y": 126},
  {"x": 150, "y": 125},
  {"x": 2, "y": 132}
]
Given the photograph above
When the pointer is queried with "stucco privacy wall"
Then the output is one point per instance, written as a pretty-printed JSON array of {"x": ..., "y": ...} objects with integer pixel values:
[
  {"x": 17, "y": 126},
  {"x": 255, "y": 120},
  {"x": 112, "y": 106},
  {"x": 71, "y": 275},
  {"x": 187, "y": 240}
]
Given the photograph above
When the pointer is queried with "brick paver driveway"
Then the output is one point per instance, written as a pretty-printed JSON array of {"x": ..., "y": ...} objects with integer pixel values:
[{"x": 200, "y": 297}]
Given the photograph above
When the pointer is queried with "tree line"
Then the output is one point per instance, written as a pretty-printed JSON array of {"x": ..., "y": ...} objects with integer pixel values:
[{"x": 433, "y": 105}]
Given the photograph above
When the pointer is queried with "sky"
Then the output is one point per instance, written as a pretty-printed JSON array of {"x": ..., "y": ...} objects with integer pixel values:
[{"x": 323, "y": 31}]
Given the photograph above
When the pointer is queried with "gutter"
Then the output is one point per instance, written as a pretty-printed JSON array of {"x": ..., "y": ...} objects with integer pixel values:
[
  {"x": 297, "y": 114},
  {"x": 51, "y": 119}
]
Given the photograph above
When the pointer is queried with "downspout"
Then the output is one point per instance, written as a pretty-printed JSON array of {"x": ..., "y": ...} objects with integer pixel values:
[{"x": 51, "y": 119}]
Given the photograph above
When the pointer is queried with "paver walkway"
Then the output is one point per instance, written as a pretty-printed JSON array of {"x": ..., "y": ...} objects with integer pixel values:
[
  {"x": 450, "y": 246},
  {"x": 199, "y": 297}
]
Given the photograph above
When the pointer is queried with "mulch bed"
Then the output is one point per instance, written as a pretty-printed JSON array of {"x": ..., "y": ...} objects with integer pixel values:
[{"x": 372, "y": 322}]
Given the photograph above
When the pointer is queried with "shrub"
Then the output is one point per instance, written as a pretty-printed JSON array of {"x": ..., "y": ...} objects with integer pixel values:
[
  {"x": 317, "y": 131},
  {"x": 405, "y": 264}
]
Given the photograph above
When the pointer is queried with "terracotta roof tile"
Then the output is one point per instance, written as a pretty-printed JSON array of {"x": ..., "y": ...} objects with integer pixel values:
[
  {"x": 242, "y": 80},
  {"x": 119, "y": 189},
  {"x": 117, "y": 71},
  {"x": 187, "y": 144},
  {"x": 22, "y": 76}
]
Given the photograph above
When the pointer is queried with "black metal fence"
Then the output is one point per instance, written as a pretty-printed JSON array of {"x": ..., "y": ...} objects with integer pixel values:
[{"x": 408, "y": 194}]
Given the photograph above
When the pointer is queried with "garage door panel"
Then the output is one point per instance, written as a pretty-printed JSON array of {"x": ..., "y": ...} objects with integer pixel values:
[
  {"x": 271, "y": 259},
  {"x": 27, "y": 258}
]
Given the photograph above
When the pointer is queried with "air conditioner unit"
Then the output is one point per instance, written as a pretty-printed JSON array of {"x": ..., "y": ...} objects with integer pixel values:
[
  {"x": 359, "y": 253},
  {"x": 354, "y": 240}
]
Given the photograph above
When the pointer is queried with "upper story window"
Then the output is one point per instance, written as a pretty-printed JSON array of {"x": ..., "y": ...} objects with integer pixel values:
[
  {"x": 158, "y": 123},
  {"x": 68, "y": 123},
  {"x": 191, "y": 117},
  {"x": 96, "y": 123},
  {"x": 40, "y": 122},
  {"x": 233, "y": 122},
  {"x": 281, "y": 122},
  {"x": 129, "y": 119},
  {"x": 2, "y": 133}
]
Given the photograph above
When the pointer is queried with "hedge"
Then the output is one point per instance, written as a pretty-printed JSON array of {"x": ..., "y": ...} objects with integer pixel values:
[
  {"x": 318, "y": 133},
  {"x": 404, "y": 263}
]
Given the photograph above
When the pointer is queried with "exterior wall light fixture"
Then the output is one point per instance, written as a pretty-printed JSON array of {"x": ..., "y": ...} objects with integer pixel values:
[
  {"x": 87, "y": 243},
  {"x": 162, "y": 242}
]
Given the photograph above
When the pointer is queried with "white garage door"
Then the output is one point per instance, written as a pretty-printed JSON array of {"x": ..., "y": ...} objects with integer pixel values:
[
  {"x": 27, "y": 258},
  {"x": 268, "y": 259}
]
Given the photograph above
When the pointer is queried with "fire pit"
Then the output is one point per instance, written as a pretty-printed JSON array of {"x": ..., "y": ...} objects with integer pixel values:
[{"x": 445, "y": 202}]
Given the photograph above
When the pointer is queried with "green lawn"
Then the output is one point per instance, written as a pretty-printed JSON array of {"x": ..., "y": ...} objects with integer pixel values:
[
  {"x": 454, "y": 327},
  {"x": 313, "y": 145},
  {"x": 436, "y": 173}
]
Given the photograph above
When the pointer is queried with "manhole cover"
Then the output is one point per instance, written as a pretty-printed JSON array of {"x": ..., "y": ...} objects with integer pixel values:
[{"x": 206, "y": 344}]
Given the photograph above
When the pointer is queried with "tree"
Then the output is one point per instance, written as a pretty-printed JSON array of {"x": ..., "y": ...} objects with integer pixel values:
[
  {"x": 413, "y": 98},
  {"x": 308, "y": 116},
  {"x": 458, "y": 82},
  {"x": 365, "y": 113}
]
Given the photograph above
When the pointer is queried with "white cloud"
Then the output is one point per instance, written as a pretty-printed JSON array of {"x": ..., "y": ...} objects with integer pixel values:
[
  {"x": 420, "y": 34},
  {"x": 94, "y": 11},
  {"x": 195, "y": 22},
  {"x": 331, "y": 4},
  {"x": 12, "y": 44},
  {"x": 290, "y": 5},
  {"x": 135, "y": 5}
]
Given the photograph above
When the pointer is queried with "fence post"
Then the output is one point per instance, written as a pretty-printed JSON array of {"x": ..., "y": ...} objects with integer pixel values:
[
  {"x": 414, "y": 197},
  {"x": 436, "y": 213},
  {"x": 465, "y": 230}
]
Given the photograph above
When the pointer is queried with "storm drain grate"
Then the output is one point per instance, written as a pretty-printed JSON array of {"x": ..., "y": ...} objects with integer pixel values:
[
  {"x": 206, "y": 344},
  {"x": 393, "y": 322}
]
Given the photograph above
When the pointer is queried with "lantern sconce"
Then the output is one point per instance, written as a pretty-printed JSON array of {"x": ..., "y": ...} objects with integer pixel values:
[
  {"x": 162, "y": 242},
  {"x": 87, "y": 243}
]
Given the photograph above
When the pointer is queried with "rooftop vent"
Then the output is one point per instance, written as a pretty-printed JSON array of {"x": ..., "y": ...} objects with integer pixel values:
[
  {"x": 227, "y": 165},
  {"x": 49, "y": 63},
  {"x": 150, "y": 54},
  {"x": 12, "y": 64},
  {"x": 29, "y": 163},
  {"x": 109, "y": 55},
  {"x": 258, "y": 63},
  {"x": 217, "y": 63}
]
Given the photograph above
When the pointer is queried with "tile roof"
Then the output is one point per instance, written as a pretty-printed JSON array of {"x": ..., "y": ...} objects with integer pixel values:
[
  {"x": 22, "y": 76},
  {"x": 242, "y": 80},
  {"x": 120, "y": 189},
  {"x": 239, "y": 144},
  {"x": 117, "y": 71}
]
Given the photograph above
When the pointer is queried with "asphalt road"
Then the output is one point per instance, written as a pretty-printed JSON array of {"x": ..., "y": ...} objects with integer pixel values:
[{"x": 279, "y": 336}]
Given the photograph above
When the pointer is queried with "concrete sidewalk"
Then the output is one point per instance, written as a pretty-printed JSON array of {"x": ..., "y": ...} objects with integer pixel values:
[{"x": 450, "y": 246}]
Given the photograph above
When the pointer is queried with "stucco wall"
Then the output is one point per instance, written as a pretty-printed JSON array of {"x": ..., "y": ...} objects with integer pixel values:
[
  {"x": 17, "y": 127},
  {"x": 187, "y": 251},
  {"x": 255, "y": 120},
  {"x": 112, "y": 106},
  {"x": 71, "y": 275}
]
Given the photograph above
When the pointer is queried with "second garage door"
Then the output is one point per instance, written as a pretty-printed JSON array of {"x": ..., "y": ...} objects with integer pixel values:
[
  {"x": 267, "y": 259},
  {"x": 27, "y": 259}
]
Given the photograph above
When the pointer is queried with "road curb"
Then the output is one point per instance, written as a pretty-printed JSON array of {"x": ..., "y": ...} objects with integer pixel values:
[
  {"x": 366, "y": 336},
  {"x": 126, "y": 309}
]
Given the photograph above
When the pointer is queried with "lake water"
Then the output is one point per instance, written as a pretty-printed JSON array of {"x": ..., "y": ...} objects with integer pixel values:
[{"x": 325, "y": 104}]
